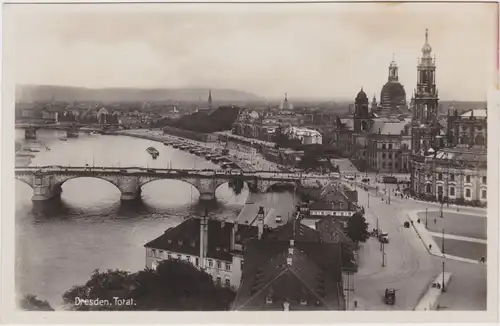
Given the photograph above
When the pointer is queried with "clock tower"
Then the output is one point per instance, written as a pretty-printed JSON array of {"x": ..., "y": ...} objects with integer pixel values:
[{"x": 425, "y": 127}]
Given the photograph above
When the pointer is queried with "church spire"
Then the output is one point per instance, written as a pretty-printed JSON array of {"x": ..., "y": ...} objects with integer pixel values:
[
  {"x": 393, "y": 70},
  {"x": 209, "y": 98}
]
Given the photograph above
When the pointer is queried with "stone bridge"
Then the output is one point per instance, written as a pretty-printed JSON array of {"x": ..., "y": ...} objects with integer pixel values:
[
  {"x": 47, "y": 181},
  {"x": 30, "y": 129}
]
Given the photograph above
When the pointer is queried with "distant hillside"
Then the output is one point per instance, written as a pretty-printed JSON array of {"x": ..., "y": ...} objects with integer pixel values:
[{"x": 32, "y": 93}]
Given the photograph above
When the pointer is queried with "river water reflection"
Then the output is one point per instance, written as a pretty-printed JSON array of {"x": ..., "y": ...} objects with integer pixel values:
[{"x": 60, "y": 245}]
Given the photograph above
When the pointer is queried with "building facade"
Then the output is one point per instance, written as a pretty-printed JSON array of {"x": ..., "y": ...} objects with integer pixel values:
[
  {"x": 381, "y": 144},
  {"x": 451, "y": 166},
  {"x": 215, "y": 247}
]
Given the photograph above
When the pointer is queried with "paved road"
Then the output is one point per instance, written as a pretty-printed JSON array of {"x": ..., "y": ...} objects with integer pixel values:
[
  {"x": 345, "y": 165},
  {"x": 409, "y": 267}
]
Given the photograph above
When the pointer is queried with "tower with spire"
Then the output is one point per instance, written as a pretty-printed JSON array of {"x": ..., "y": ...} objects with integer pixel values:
[
  {"x": 210, "y": 99},
  {"x": 361, "y": 113},
  {"x": 393, "y": 70},
  {"x": 374, "y": 103},
  {"x": 425, "y": 127},
  {"x": 393, "y": 94}
]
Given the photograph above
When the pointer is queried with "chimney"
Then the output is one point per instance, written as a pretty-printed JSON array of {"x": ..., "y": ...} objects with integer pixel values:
[
  {"x": 222, "y": 224},
  {"x": 234, "y": 230},
  {"x": 203, "y": 239}
]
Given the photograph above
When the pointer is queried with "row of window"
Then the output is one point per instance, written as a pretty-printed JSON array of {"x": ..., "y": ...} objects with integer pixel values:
[
  {"x": 218, "y": 281},
  {"x": 468, "y": 193},
  {"x": 452, "y": 177},
  {"x": 389, "y": 165},
  {"x": 161, "y": 254}
]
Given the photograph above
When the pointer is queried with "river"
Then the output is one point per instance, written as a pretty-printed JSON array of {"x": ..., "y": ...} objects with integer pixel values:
[{"x": 60, "y": 245}]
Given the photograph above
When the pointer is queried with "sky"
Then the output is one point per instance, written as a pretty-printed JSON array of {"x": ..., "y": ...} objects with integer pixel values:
[{"x": 314, "y": 50}]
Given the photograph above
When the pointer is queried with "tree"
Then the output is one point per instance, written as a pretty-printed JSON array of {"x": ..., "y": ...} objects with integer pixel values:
[
  {"x": 174, "y": 285},
  {"x": 31, "y": 303},
  {"x": 105, "y": 286},
  {"x": 357, "y": 228}
]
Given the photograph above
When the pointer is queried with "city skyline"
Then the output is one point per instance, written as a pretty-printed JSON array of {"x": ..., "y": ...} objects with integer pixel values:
[{"x": 265, "y": 52}]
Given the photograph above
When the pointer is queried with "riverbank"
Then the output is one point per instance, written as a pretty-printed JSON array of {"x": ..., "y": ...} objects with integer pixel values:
[{"x": 246, "y": 158}]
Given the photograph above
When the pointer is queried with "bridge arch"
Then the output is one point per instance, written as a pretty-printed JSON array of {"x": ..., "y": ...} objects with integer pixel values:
[
  {"x": 60, "y": 181},
  {"x": 274, "y": 185},
  {"x": 184, "y": 181},
  {"x": 25, "y": 180},
  {"x": 222, "y": 182}
]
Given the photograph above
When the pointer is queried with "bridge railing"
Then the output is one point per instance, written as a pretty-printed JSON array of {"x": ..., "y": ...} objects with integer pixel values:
[{"x": 134, "y": 169}]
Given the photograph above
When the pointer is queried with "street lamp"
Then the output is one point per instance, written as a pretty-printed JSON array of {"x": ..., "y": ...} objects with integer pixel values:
[{"x": 442, "y": 249}]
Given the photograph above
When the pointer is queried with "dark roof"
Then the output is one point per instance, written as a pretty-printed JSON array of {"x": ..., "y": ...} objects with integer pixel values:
[
  {"x": 331, "y": 231},
  {"x": 314, "y": 274},
  {"x": 361, "y": 97},
  {"x": 394, "y": 90},
  {"x": 185, "y": 238},
  {"x": 293, "y": 230},
  {"x": 332, "y": 200}
]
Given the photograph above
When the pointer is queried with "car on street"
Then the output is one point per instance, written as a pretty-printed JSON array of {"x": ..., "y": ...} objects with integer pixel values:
[
  {"x": 390, "y": 296},
  {"x": 278, "y": 219},
  {"x": 383, "y": 237}
]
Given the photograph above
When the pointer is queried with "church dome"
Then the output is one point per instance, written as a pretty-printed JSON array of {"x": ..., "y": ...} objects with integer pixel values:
[
  {"x": 393, "y": 95},
  {"x": 361, "y": 97}
]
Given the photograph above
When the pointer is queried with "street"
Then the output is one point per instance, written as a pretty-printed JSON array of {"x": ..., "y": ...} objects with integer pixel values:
[{"x": 409, "y": 268}]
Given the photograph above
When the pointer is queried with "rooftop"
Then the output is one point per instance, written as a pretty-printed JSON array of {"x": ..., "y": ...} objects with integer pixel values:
[
  {"x": 480, "y": 113},
  {"x": 307, "y": 276},
  {"x": 185, "y": 238},
  {"x": 388, "y": 126}
]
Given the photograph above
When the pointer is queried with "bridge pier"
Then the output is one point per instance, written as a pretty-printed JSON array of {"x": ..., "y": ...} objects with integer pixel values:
[
  {"x": 130, "y": 195},
  {"x": 45, "y": 192},
  {"x": 129, "y": 187},
  {"x": 208, "y": 196}
]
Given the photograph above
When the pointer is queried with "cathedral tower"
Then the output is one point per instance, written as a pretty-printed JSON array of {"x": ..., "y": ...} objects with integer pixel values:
[
  {"x": 425, "y": 126},
  {"x": 361, "y": 113}
]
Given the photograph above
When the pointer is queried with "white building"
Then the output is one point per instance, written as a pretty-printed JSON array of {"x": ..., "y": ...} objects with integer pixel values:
[
  {"x": 216, "y": 247},
  {"x": 306, "y": 136}
]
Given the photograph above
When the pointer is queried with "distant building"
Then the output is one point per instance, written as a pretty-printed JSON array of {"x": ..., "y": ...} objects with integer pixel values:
[
  {"x": 306, "y": 136},
  {"x": 456, "y": 172},
  {"x": 285, "y": 104},
  {"x": 335, "y": 204},
  {"x": 209, "y": 109},
  {"x": 377, "y": 143},
  {"x": 393, "y": 94}
]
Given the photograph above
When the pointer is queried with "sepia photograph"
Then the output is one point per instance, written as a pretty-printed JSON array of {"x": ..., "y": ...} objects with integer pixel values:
[{"x": 250, "y": 157}]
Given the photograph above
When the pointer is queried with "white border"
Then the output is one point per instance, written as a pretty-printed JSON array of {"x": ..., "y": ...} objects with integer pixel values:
[{"x": 9, "y": 314}]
